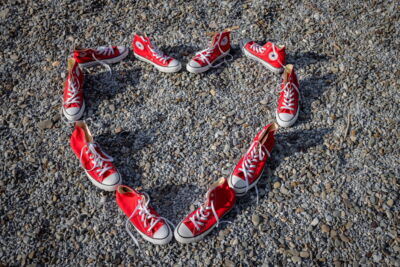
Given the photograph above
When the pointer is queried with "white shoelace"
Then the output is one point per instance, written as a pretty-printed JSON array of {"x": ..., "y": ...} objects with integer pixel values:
[
  {"x": 107, "y": 51},
  {"x": 145, "y": 215},
  {"x": 202, "y": 215},
  {"x": 204, "y": 55},
  {"x": 258, "y": 48},
  {"x": 157, "y": 53},
  {"x": 73, "y": 91},
  {"x": 256, "y": 154},
  {"x": 288, "y": 96},
  {"x": 97, "y": 160}
]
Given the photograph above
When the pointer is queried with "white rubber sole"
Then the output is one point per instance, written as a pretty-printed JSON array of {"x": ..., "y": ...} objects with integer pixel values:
[
  {"x": 75, "y": 117},
  {"x": 160, "y": 68},
  {"x": 205, "y": 68},
  {"x": 266, "y": 64},
  {"x": 106, "y": 61},
  {"x": 186, "y": 240},
  {"x": 103, "y": 186},
  {"x": 242, "y": 190},
  {"x": 287, "y": 123},
  {"x": 156, "y": 241}
]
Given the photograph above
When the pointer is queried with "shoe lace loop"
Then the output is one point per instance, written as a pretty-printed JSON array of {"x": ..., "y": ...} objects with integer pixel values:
[
  {"x": 73, "y": 91},
  {"x": 149, "y": 220},
  {"x": 252, "y": 158},
  {"x": 288, "y": 95},
  {"x": 105, "y": 50},
  {"x": 157, "y": 53},
  {"x": 100, "y": 163},
  {"x": 258, "y": 48},
  {"x": 198, "y": 219}
]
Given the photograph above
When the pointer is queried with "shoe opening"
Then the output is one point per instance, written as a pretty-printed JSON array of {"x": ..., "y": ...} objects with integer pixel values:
[{"x": 88, "y": 135}]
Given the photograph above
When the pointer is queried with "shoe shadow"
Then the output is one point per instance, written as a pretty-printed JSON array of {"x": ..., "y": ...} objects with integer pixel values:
[
  {"x": 124, "y": 147},
  {"x": 304, "y": 59},
  {"x": 299, "y": 141},
  {"x": 104, "y": 86},
  {"x": 311, "y": 90},
  {"x": 174, "y": 202}
]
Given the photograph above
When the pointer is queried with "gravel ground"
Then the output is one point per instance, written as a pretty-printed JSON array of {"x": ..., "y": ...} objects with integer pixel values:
[{"x": 330, "y": 195}]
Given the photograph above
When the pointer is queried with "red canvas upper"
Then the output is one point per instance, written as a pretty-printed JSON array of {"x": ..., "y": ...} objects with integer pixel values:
[
  {"x": 143, "y": 47},
  {"x": 289, "y": 95},
  {"x": 97, "y": 163},
  {"x": 220, "y": 44},
  {"x": 221, "y": 197},
  {"x": 73, "y": 88},
  {"x": 100, "y": 53},
  {"x": 272, "y": 54},
  {"x": 135, "y": 206},
  {"x": 252, "y": 163}
]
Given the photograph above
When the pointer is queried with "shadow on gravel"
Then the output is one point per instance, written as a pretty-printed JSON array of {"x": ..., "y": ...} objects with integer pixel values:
[
  {"x": 295, "y": 142},
  {"x": 311, "y": 90},
  {"x": 105, "y": 86},
  {"x": 124, "y": 147},
  {"x": 301, "y": 60},
  {"x": 183, "y": 53}
]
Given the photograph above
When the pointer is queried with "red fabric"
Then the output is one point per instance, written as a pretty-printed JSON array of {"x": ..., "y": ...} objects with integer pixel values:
[
  {"x": 128, "y": 201},
  {"x": 223, "y": 198},
  {"x": 86, "y": 55},
  {"x": 141, "y": 46},
  {"x": 268, "y": 144},
  {"x": 277, "y": 62},
  {"x": 78, "y": 142},
  {"x": 291, "y": 78},
  {"x": 75, "y": 78},
  {"x": 221, "y": 42}
]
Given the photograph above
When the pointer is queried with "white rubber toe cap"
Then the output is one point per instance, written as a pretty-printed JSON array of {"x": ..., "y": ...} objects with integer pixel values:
[
  {"x": 72, "y": 111},
  {"x": 184, "y": 231},
  {"x": 194, "y": 64},
  {"x": 285, "y": 119},
  {"x": 112, "y": 180},
  {"x": 162, "y": 232},
  {"x": 238, "y": 184},
  {"x": 174, "y": 63}
]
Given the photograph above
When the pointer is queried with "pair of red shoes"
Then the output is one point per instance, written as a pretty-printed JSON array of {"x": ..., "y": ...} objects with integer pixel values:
[
  {"x": 274, "y": 58},
  {"x": 219, "y": 47},
  {"x": 219, "y": 199},
  {"x": 73, "y": 101}
]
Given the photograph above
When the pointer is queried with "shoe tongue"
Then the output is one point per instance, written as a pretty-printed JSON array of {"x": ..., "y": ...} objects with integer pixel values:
[{"x": 268, "y": 44}]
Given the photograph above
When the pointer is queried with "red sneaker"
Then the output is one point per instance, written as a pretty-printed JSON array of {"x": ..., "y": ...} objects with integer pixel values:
[
  {"x": 271, "y": 56},
  {"x": 101, "y": 55},
  {"x": 288, "y": 103},
  {"x": 142, "y": 216},
  {"x": 251, "y": 165},
  {"x": 97, "y": 164},
  {"x": 73, "y": 102},
  {"x": 219, "y": 48},
  {"x": 145, "y": 51},
  {"x": 220, "y": 199}
]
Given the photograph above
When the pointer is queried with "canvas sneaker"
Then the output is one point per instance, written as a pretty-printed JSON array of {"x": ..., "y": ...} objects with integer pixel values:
[
  {"x": 142, "y": 216},
  {"x": 288, "y": 103},
  {"x": 205, "y": 59},
  {"x": 144, "y": 50},
  {"x": 96, "y": 163},
  {"x": 251, "y": 165},
  {"x": 73, "y": 101},
  {"x": 219, "y": 200},
  {"x": 270, "y": 55},
  {"x": 103, "y": 55}
]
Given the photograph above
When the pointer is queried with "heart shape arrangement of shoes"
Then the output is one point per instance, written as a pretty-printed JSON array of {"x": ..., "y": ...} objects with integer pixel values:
[{"x": 220, "y": 197}]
